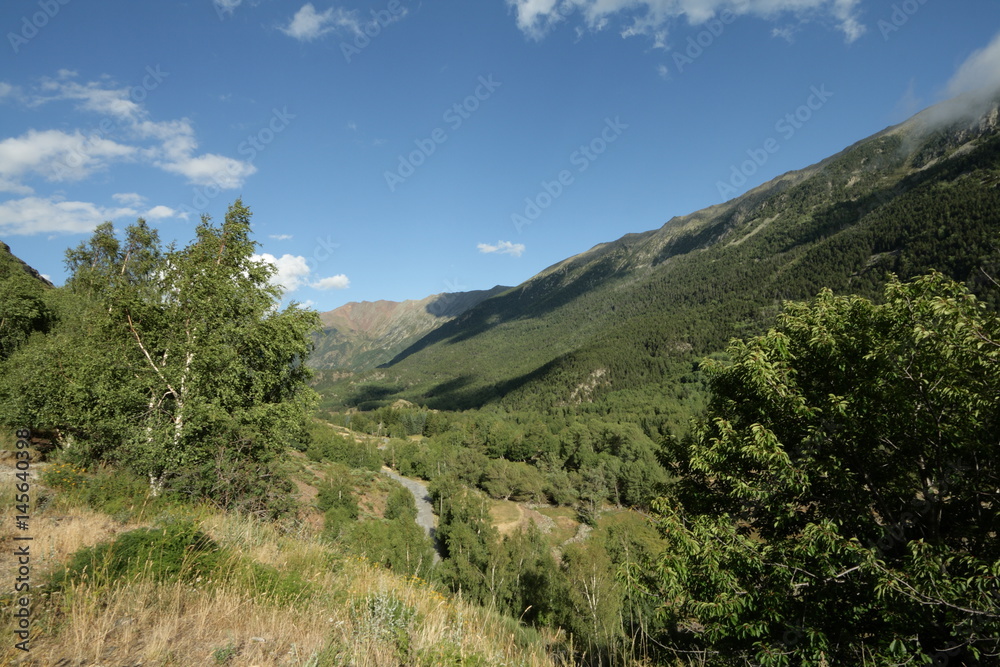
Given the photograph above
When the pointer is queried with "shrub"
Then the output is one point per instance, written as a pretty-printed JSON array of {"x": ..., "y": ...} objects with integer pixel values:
[{"x": 176, "y": 550}]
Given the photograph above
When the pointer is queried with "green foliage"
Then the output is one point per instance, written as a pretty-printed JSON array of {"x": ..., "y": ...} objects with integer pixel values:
[
  {"x": 400, "y": 505},
  {"x": 384, "y": 619},
  {"x": 398, "y": 544},
  {"x": 120, "y": 494},
  {"x": 23, "y": 306},
  {"x": 64, "y": 476},
  {"x": 177, "y": 550},
  {"x": 224, "y": 654},
  {"x": 173, "y": 363},
  {"x": 841, "y": 489},
  {"x": 328, "y": 445},
  {"x": 338, "y": 502}
]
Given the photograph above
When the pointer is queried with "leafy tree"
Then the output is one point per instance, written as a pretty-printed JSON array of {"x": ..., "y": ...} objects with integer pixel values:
[
  {"x": 840, "y": 497},
  {"x": 175, "y": 362},
  {"x": 338, "y": 502},
  {"x": 592, "y": 606},
  {"x": 23, "y": 308}
]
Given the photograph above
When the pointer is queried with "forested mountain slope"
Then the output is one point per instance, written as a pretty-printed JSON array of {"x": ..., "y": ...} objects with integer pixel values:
[{"x": 633, "y": 316}]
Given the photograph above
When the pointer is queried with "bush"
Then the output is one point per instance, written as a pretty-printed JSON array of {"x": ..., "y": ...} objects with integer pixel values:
[
  {"x": 119, "y": 493},
  {"x": 64, "y": 476},
  {"x": 400, "y": 504},
  {"x": 337, "y": 501},
  {"x": 327, "y": 445},
  {"x": 176, "y": 550},
  {"x": 400, "y": 544}
]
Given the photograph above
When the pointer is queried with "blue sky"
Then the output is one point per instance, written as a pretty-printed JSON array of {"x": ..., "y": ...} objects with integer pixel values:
[{"x": 392, "y": 149}]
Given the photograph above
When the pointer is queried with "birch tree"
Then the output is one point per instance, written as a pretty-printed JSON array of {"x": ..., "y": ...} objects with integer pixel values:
[{"x": 204, "y": 377}]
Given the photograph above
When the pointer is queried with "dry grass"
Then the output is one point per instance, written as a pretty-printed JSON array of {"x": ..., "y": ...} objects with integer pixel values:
[{"x": 341, "y": 621}]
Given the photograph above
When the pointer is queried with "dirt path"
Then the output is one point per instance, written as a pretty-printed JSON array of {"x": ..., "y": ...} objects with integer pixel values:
[{"x": 425, "y": 509}]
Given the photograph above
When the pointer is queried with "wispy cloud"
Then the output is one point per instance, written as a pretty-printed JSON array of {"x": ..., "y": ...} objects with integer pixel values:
[
  {"x": 651, "y": 17},
  {"x": 979, "y": 73},
  {"x": 280, "y": 237},
  {"x": 971, "y": 91},
  {"x": 224, "y": 7},
  {"x": 129, "y": 198},
  {"x": 58, "y": 155},
  {"x": 308, "y": 24},
  {"x": 503, "y": 248}
]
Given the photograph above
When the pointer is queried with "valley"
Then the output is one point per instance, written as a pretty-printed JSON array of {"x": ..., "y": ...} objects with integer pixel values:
[{"x": 771, "y": 418}]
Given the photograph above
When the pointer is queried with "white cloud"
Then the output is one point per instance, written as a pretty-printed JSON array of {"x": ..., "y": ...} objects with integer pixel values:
[
  {"x": 160, "y": 212},
  {"x": 502, "y": 247},
  {"x": 175, "y": 154},
  {"x": 980, "y": 72},
  {"x": 333, "y": 282},
  {"x": 280, "y": 237},
  {"x": 57, "y": 156},
  {"x": 211, "y": 169},
  {"x": 308, "y": 24},
  {"x": 649, "y": 17},
  {"x": 292, "y": 271},
  {"x": 36, "y": 215}
]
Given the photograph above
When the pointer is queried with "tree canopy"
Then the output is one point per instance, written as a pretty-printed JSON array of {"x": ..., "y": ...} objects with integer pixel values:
[
  {"x": 840, "y": 498},
  {"x": 174, "y": 362}
]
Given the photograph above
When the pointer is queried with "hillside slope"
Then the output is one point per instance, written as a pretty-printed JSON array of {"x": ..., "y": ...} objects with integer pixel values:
[
  {"x": 632, "y": 316},
  {"x": 361, "y": 336},
  {"x": 22, "y": 301}
]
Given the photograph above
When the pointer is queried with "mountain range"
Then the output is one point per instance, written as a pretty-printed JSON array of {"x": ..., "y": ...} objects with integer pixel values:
[{"x": 628, "y": 320}]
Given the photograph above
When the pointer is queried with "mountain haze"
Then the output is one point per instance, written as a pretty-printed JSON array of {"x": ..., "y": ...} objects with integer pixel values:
[{"x": 634, "y": 315}]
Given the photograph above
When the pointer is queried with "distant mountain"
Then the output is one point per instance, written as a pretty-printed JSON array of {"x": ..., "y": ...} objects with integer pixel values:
[
  {"x": 627, "y": 320},
  {"x": 360, "y": 336}
]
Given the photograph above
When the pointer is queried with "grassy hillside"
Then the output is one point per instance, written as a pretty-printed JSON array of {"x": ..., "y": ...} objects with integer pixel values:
[{"x": 121, "y": 578}]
